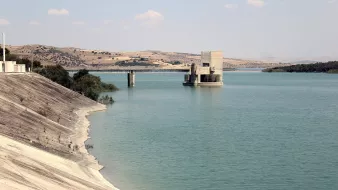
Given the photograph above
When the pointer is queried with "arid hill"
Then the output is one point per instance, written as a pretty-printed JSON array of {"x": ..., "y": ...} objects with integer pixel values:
[{"x": 94, "y": 59}]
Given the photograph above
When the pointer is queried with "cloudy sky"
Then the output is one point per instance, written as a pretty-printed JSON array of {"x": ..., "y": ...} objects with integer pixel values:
[{"x": 241, "y": 28}]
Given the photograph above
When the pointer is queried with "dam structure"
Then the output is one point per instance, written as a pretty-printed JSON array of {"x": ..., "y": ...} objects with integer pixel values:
[{"x": 208, "y": 73}]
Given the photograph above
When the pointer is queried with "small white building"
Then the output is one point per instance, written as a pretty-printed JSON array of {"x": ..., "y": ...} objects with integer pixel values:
[
  {"x": 12, "y": 67},
  {"x": 9, "y": 66}
]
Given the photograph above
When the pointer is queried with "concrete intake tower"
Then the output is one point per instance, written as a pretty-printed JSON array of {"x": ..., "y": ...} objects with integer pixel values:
[{"x": 208, "y": 73}]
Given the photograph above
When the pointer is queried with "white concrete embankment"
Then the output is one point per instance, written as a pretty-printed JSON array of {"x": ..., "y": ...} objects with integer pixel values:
[
  {"x": 26, "y": 167},
  {"x": 41, "y": 123}
]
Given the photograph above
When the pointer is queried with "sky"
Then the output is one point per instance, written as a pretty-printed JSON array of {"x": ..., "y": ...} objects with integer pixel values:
[{"x": 257, "y": 29}]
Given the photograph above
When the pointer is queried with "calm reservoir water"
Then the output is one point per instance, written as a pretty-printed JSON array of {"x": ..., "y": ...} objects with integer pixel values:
[{"x": 259, "y": 131}]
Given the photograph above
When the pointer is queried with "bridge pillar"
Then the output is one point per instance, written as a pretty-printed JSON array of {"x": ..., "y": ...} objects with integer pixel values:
[{"x": 131, "y": 79}]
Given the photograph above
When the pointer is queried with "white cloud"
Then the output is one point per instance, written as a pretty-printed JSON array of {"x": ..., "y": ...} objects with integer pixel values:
[
  {"x": 231, "y": 6},
  {"x": 78, "y": 23},
  {"x": 4, "y": 21},
  {"x": 332, "y": 1},
  {"x": 150, "y": 17},
  {"x": 58, "y": 12},
  {"x": 33, "y": 22},
  {"x": 256, "y": 3},
  {"x": 106, "y": 22}
]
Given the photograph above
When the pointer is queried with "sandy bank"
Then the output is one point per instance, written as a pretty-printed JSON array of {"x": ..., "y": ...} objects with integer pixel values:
[{"x": 81, "y": 135}]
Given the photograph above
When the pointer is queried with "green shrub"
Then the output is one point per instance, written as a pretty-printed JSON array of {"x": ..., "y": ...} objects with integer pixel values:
[
  {"x": 82, "y": 82},
  {"x": 316, "y": 67},
  {"x": 90, "y": 85},
  {"x": 57, "y": 74},
  {"x": 108, "y": 87},
  {"x": 106, "y": 100},
  {"x": 7, "y": 52},
  {"x": 80, "y": 74},
  {"x": 91, "y": 93}
]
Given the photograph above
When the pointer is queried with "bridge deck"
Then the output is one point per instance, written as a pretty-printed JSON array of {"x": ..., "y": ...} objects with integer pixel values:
[{"x": 135, "y": 70}]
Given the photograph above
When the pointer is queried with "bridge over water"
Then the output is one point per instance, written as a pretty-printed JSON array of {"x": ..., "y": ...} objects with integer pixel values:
[{"x": 131, "y": 72}]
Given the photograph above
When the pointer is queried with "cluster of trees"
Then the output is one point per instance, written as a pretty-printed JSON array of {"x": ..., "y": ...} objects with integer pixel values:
[
  {"x": 82, "y": 82},
  {"x": 25, "y": 61},
  {"x": 329, "y": 67},
  {"x": 6, "y": 52},
  {"x": 175, "y": 62}
]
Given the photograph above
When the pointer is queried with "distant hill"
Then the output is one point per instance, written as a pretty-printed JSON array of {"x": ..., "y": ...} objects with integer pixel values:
[
  {"x": 329, "y": 67},
  {"x": 304, "y": 62},
  {"x": 71, "y": 57}
]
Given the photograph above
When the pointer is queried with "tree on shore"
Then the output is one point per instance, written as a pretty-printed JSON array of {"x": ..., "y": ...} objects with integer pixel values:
[
  {"x": 306, "y": 68},
  {"x": 57, "y": 74},
  {"x": 82, "y": 82},
  {"x": 7, "y": 52},
  {"x": 90, "y": 85}
]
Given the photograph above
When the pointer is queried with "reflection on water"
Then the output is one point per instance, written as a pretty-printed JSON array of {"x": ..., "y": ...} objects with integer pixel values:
[{"x": 130, "y": 93}]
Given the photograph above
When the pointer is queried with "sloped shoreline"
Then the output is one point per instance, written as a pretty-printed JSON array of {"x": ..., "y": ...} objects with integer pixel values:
[{"x": 43, "y": 128}]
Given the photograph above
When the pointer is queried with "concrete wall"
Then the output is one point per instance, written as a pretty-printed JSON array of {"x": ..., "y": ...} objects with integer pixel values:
[
  {"x": 9, "y": 66},
  {"x": 215, "y": 61},
  {"x": 22, "y": 68},
  {"x": 16, "y": 68},
  {"x": 214, "y": 58},
  {"x": 203, "y": 70},
  {"x": 205, "y": 57}
]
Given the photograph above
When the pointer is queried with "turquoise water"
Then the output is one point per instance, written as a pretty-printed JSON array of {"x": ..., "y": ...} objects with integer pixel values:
[{"x": 259, "y": 131}]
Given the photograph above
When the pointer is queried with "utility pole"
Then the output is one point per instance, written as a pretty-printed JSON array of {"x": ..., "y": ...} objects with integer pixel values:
[
  {"x": 3, "y": 63},
  {"x": 4, "y": 47},
  {"x": 32, "y": 63}
]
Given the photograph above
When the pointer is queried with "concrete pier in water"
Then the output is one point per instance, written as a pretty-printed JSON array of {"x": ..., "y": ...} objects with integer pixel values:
[
  {"x": 208, "y": 73},
  {"x": 131, "y": 79}
]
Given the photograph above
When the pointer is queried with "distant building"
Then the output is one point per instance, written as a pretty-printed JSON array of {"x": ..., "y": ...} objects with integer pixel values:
[
  {"x": 9, "y": 66},
  {"x": 208, "y": 73},
  {"x": 12, "y": 67}
]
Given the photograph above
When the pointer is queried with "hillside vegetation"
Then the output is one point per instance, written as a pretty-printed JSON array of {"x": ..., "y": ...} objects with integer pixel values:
[
  {"x": 329, "y": 67},
  {"x": 81, "y": 82}
]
